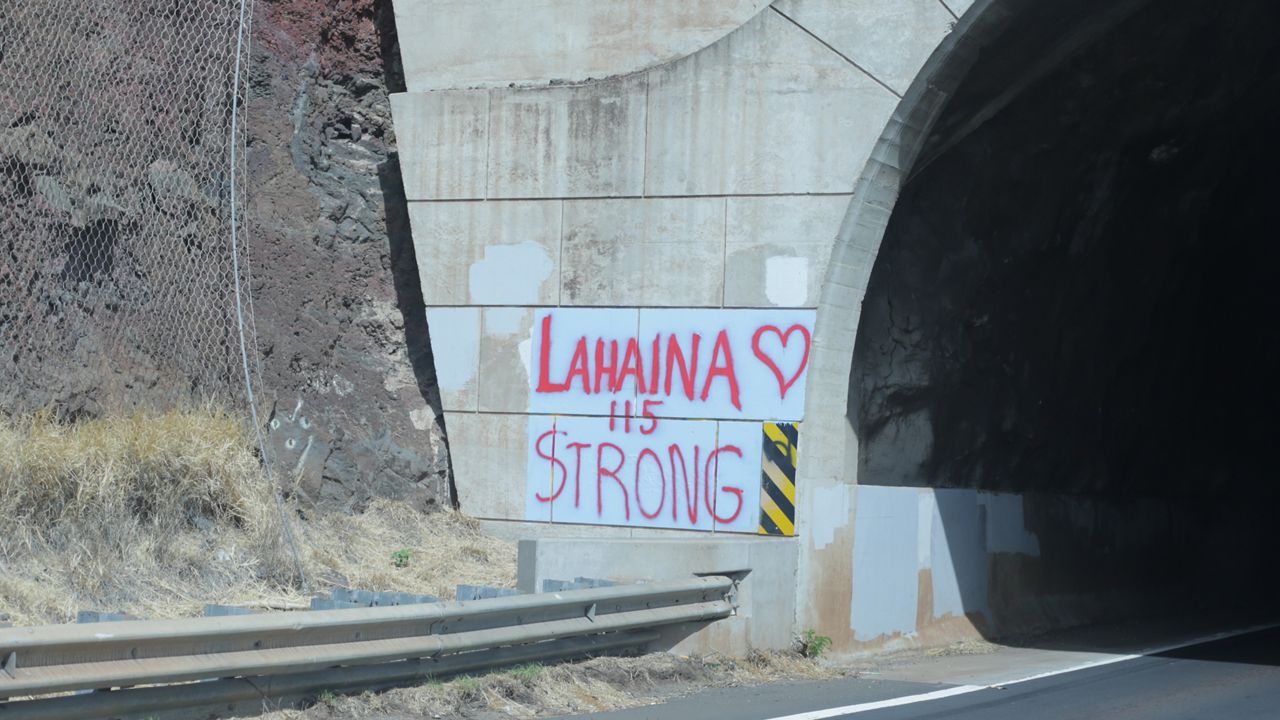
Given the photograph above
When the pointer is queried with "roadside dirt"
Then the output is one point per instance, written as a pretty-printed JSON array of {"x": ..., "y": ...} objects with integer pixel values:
[{"x": 596, "y": 685}]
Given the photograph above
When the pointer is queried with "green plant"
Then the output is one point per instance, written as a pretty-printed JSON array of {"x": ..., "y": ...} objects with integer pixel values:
[
  {"x": 812, "y": 645},
  {"x": 469, "y": 686},
  {"x": 527, "y": 674},
  {"x": 326, "y": 697},
  {"x": 400, "y": 558}
]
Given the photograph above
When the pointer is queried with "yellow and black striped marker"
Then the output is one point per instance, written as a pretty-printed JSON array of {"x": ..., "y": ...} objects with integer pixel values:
[{"x": 778, "y": 479}]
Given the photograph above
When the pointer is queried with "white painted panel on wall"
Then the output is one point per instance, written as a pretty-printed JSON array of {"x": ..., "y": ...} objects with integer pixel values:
[
  {"x": 652, "y": 474},
  {"x": 730, "y": 364},
  {"x": 457, "y": 359},
  {"x": 681, "y": 474},
  {"x": 541, "y": 480},
  {"x": 687, "y": 363},
  {"x": 584, "y": 361},
  {"x": 737, "y": 470}
]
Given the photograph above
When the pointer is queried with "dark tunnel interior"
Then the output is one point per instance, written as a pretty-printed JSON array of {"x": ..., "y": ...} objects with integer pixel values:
[{"x": 1076, "y": 297}]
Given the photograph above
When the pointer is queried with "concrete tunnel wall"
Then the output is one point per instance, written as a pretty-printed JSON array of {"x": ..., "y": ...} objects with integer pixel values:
[
  {"x": 1053, "y": 332},
  {"x": 682, "y": 185},
  {"x": 756, "y": 173}
]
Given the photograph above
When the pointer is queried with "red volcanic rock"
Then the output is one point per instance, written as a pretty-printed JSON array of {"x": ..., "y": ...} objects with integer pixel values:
[{"x": 340, "y": 319}]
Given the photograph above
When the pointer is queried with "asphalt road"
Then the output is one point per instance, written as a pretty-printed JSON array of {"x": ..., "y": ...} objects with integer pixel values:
[
  {"x": 1236, "y": 678},
  {"x": 1233, "y": 679}
]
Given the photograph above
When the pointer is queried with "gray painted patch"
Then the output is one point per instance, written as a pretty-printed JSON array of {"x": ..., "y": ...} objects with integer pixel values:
[
  {"x": 786, "y": 280},
  {"x": 510, "y": 274},
  {"x": 959, "y": 557},
  {"x": 830, "y": 513},
  {"x": 455, "y": 335},
  {"x": 884, "y": 562},
  {"x": 1006, "y": 527}
]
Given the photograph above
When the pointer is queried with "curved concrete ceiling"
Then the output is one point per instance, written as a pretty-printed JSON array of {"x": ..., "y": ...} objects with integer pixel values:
[{"x": 467, "y": 44}]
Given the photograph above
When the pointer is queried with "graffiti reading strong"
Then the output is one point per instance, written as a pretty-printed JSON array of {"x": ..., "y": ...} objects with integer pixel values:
[{"x": 653, "y": 418}]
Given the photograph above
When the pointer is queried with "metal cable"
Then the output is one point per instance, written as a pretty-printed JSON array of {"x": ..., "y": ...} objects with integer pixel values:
[{"x": 286, "y": 525}]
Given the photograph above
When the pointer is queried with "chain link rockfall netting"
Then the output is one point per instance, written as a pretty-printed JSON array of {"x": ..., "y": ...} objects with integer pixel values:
[{"x": 121, "y": 165}]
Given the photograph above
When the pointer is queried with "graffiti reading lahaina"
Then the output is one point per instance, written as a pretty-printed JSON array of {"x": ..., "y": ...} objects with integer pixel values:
[{"x": 653, "y": 418}]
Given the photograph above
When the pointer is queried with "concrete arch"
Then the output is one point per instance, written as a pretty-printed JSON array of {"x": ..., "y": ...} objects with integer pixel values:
[
  {"x": 1077, "y": 470},
  {"x": 828, "y": 475}
]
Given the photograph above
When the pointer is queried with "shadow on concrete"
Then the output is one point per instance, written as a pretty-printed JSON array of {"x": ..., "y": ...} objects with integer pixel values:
[{"x": 404, "y": 260}]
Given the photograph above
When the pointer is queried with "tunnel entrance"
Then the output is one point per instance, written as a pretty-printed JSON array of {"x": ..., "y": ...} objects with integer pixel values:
[{"x": 1074, "y": 304}]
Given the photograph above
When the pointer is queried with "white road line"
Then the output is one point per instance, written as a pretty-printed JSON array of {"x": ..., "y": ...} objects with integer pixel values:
[
  {"x": 966, "y": 689},
  {"x": 1149, "y": 651},
  {"x": 882, "y": 704}
]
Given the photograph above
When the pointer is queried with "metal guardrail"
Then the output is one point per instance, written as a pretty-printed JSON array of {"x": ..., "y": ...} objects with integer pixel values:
[{"x": 283, "y": 656}]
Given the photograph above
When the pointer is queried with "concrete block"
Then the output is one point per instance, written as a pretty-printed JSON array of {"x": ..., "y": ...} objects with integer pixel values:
[
  {"x": 97, "y": 616},
  {"x": 776, "y": 249},
  {"x": 214, "y": 610},
  {"x": 580, "y": 583},
  {"x": 490, "y": 464},
  {"x": 890, "y": 39},
  {"x": 646, "y": 252},
  {"x": 505, "y": 355},
  {"x": 766, "y": 612},
  {"x": 463, "y": 43},
  {"x": 1006, "y": 525},
  {"x": 482, "y": 592},
  {"x": 766, "y": 110},
  {"x": 455, "y": 343},
  {"x": 373, "y": 598},
  {"x": 575, "y": 141},
  {"x": 443, "y": 140},
  {"x": 488, "y": 253},
  {"x": 322, "y": 603}
]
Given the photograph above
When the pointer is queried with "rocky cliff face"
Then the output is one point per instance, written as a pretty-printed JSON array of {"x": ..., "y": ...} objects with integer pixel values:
[{"x": 345, "y": 359}]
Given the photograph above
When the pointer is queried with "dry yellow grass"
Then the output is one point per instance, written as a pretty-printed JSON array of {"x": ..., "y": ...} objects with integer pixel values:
[
  {"x": 157, "y": 514},
  {"x": 596, "y": 685}
]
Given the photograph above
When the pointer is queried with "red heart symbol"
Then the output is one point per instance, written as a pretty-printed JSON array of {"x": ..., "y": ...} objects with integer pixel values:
[{"x": 783, "y": 383}]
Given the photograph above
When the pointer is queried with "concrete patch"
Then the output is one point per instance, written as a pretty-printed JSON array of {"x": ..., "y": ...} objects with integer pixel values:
[
  {"x": 1006, "y": 526},
  {"x": 760, "y": 228},
  {"x": 830, "y": 512},
  {"x": 488, "y": 253},
  {"x": 455, "y": 334},
  {"x": 786, "y": 280},
  {"x": 504, "y": 359},
  {"x": 510, "y": 274}
]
